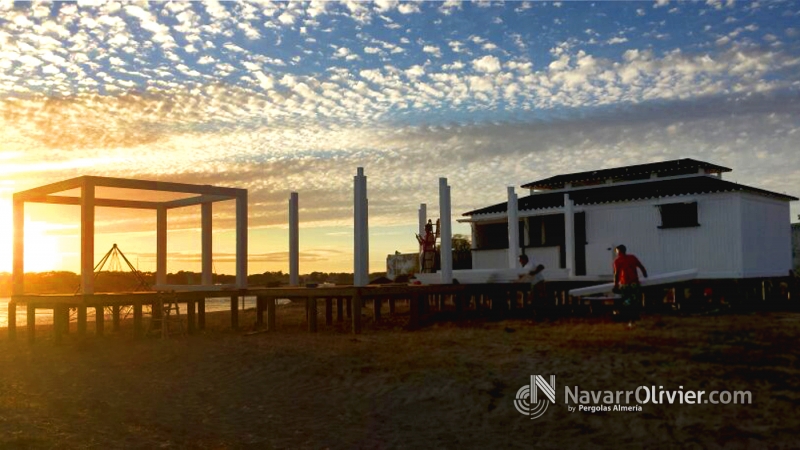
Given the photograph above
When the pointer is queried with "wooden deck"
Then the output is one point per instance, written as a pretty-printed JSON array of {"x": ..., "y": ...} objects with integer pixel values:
[{"x": 343, "y": 297}]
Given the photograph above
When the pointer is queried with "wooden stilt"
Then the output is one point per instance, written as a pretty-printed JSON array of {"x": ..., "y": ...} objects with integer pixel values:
[
  {"x": 31, "y": 319},
  {"x": 376, "y": 308},
  {"x": 190, "y": 317},
  {"x": 99, "y": 320},
  {"x": 201, "y": 314},
  {"x": 259, "y": 312},
  {"x": 391, "y": 305},
  {"x": 58, "y": 323},
  {"x": 270, "y": 314},
  {"x": 414, "y": 306},
  {"x": 328, "y": 311},
  {"x": 442, "y": 301},
  {"x": 356, "y": 312},
  {"x": 115, "y": 318},
  {"x": 339, "y": 309},
  {"x": 312, "y": 314},
  {"x": 82, "y": 321},
  {"x": 138, "y": 330},
  {"x": 12, "y": 321},
  {"x": 349, "y": 307},
  {"x": 234, "y": 312}
]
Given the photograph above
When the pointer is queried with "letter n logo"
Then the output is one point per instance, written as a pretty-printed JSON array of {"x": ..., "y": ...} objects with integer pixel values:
[{"x": 528, "y": 400}]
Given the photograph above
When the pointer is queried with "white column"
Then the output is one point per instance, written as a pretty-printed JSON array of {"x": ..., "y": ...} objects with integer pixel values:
[
  {"x": 569, "y": 234},
  {"x": 18, "y": 271},
  {"x": 241, "y": 241},
  {"x": 161, "y": 245},
  {"x": 87, "y": 237},
  {"x": 423, "y": 218},
  {"x": 294, "y": 240},
  {"x": 360, "y": 230},
  {"x": 207, "y": 249},
  {"x": 513, "y": 229},
  {"x": 446, "y": 232}
]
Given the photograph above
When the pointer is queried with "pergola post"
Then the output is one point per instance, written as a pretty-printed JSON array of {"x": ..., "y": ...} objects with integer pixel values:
[
  {"x": 513, "y": 228},
  {"x": 206, "y": 238},
  {"x": 161, "y": 245},
  {"x": 241, "y": 240},
  {"x": 18, "y": 275},
  {"x": 445, "y": 232},
  {"x": 87, "y": 236},
  {"x": 569, "y": 234},
  {"x": 361, "y": 230},
  {"x": 294, "y": 240}
]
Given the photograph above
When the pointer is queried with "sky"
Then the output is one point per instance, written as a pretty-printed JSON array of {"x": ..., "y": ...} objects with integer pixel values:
[{"x": 276, "y": 97}]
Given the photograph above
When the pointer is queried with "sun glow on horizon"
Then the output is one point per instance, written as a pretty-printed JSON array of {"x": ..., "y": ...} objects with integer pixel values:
[{"x": 42, "y": 250}]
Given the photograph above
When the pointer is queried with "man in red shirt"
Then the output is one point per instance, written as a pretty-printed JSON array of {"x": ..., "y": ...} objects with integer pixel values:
[{"x": 626, "y": 282}]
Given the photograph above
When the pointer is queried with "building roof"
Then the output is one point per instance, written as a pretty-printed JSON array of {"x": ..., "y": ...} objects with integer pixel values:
[
  {"x": 701, "y": 184},
  {"x": 674, "y": 167}
]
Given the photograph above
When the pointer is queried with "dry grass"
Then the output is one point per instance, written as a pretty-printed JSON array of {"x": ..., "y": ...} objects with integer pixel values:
[{"x": 446, "y": 386}]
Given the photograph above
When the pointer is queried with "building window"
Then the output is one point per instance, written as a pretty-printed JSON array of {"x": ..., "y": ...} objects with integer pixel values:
[
  {"x": 491, "y": 236},
  {"x": 546, "y": 231},
  {"x": 678, "y": 215}
]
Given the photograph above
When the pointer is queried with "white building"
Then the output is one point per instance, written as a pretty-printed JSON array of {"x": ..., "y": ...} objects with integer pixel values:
[{"x": 674, "y": 215}]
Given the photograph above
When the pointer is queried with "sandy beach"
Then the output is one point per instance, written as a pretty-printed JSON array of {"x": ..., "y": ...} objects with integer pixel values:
[{"x": 449, "y": 385}]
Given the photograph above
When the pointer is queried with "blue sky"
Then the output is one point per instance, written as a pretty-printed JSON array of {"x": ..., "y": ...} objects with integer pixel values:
[{"x": 293, "y": 96}]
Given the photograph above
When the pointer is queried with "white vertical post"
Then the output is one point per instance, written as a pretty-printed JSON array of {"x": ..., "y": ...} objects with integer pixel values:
[
  {"x": 294, "y": 240},
  {"x": 423, "y": 218},
  {"x": 87, "y": 237},
  {"x": 18, "y": 271},
  {"x": 513, "y": 229},
  {"x": 161, "y": 245},
  {"x": 206, "y": 238},
  {"x": 241, "y": 241},
  {"x": 360, "y": 230},
  {"x": 569, "y": 234},
  {"x": 446, "y": 232}
]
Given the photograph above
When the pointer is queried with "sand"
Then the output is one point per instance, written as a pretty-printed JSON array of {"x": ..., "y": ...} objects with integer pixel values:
[{"x": 446, "y": 386}]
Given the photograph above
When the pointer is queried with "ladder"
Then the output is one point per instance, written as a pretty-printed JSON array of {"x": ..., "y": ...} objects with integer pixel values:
[{"x": 166, "y": 316}]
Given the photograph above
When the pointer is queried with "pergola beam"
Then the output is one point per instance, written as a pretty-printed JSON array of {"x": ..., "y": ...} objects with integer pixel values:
[
  {"x": 166, "y": 186},
  {"x": 60, "y": 186},
  {"x": 192, "y": 201},
  {"x": 99, "y": 202}
]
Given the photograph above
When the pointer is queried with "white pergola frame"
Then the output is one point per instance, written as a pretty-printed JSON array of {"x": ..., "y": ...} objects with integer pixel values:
[{"x": 204, "y": 195}]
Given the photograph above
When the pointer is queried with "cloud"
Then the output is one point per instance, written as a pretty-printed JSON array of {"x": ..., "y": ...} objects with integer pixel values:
[{"x": 486, "y": 64}]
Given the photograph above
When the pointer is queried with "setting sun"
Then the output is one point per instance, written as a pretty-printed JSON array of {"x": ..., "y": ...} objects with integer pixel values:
[{"x": 41, "y": 248}]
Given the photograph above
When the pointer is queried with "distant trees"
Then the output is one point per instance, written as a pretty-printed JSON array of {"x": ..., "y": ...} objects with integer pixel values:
[{"x": 69, "y": 282}]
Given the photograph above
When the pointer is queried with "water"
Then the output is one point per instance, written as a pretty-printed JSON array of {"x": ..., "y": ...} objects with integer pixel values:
[{"x": 45, "y": 316}]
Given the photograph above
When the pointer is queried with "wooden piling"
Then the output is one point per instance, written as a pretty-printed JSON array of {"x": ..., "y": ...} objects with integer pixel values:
[
  {"x": 31, "y": 319},
  {"x": 99, "y": 320},
  {"x": 12, "y": 321},
  {"x": 328, "y": 311},
  {"x": 234, "y": 312},
  {"x": 259, "y": 312},
  {"x": 391, "y": 305},
  {"x": 339, "y": 309},
  {"x": 190, "y": 317},
  {"x": 58, "y": 323},
  {"x": 115, "y": 318},
  {"x": 355, "y": 306},
  {"x": 415, "y": 303},
  {"x": 270, "y": 313},
  {"x": 376, "y": 308},
  {"x": 82, "y": 321},
  {"x": 349, "y": 307},
  {"x": 311, "y": 308},
  {"x": 201, "y": 314},
  {"x": 138, "y": 331}
]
